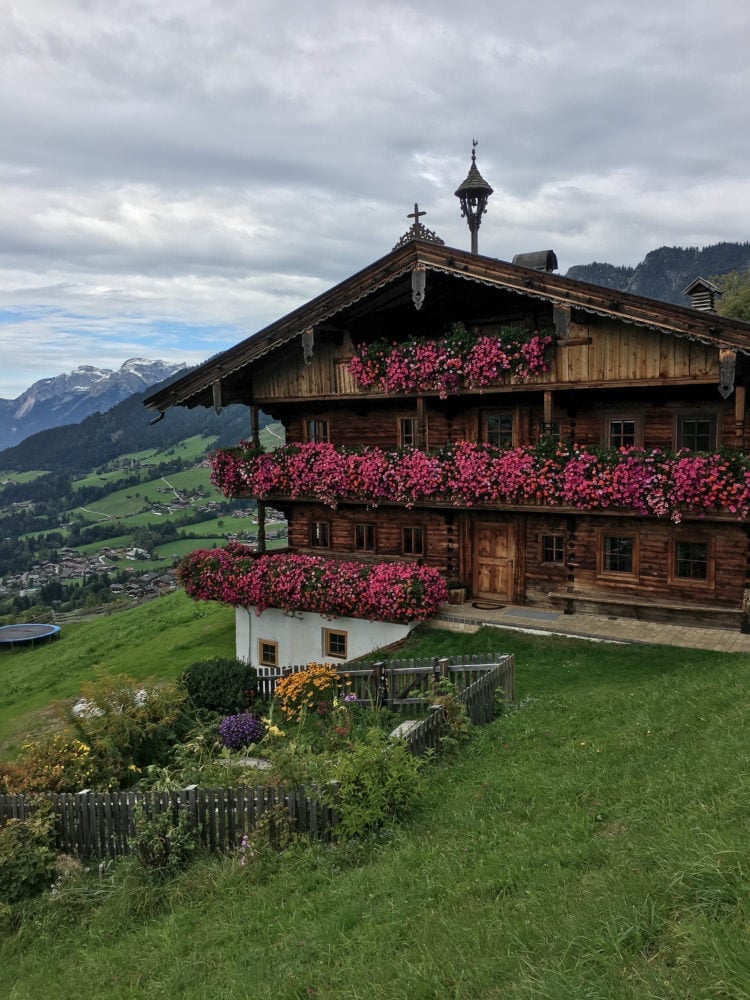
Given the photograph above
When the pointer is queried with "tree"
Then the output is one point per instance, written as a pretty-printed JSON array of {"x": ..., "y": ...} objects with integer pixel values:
[{"x": 735, "y": 300}]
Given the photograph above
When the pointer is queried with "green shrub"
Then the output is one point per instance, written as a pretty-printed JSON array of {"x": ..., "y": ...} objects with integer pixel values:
[
  {"x": 163, "y": 843},
  {"x": 130, "y": 725},
  {"x": 220, "y": 685},
  {"x": 456, "y": 727},
  {"x": 27, "y": 858},
  {"x": 378, "y": 781},
  {"x": 58, "y": 762}
]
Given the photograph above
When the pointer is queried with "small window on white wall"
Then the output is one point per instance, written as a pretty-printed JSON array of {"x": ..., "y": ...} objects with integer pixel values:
[
  {"x": 334, "y": 643},
  {"x": 268, "y": 653}
]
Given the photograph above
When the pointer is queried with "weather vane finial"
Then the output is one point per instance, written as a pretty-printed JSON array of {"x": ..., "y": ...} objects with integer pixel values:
[{"x": 473, "y": 195}]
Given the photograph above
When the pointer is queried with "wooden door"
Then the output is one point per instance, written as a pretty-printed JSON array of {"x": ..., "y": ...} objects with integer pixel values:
[{"x": 492, "y": 570}]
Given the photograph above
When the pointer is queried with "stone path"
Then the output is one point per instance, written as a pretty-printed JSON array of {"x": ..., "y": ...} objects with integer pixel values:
[{"x": 596, "y": 627}]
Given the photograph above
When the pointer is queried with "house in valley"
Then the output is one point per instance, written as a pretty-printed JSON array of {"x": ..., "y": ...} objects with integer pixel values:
[{"x": 545, "y": 441}]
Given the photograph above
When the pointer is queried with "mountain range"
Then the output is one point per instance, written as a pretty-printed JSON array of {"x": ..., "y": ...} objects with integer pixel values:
[
  {"x": 665, "y": 273},
  {"x": 72, "y": 396}
]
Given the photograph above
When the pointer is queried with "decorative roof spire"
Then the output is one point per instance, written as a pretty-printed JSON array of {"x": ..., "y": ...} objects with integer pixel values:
[
  {"x": 473, "y": 195},
  {"x": 417, "y": 231}
]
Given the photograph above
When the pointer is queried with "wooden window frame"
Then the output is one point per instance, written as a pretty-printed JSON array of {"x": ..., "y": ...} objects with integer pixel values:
[
  {"x": 502, "y": 413},
  {"x": 337, "y": 634},
  {"x": 412, "y": 550},
  {"x": 263, "y": 660},
  {"x": 702, "y": 583},
  {"x": 637, "y": 421},
  {"x": 710, "y": 415},
  {"x": 318, "y": 430},
  {"x": 601, "y": 555},
  {"x": 315, "y": 528},
  {"x": 370, "y": 529},
  {"x": 558, "y": 536},
  {"x": 402, "y": 423}
]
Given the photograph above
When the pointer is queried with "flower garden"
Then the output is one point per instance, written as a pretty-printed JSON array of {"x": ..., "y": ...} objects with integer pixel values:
[
  {"x": 446, "y": 364},
  {"x": 653, "y": 483},
  {"x": 399, "y": 592}
]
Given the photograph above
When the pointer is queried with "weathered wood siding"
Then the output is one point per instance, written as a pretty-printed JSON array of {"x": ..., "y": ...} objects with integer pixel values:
[
  {"x": 728, "y": 546},
  {"x": 597, "y": 352},
  {"x": 389, "y": 523},
  {"x": 377, "y": 424},
  {"x": 606, "y": 351}
]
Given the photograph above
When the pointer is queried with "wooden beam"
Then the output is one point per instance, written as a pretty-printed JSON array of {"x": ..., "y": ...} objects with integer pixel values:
[
  {"x": 739, "y": 415},
  {"x": 255, "y": 425},
  {"x": 421, "y": 424},
  {"x": 549, "y": 405}
]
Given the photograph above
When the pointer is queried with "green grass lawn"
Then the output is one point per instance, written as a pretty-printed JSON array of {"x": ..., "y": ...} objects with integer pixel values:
[
  {"x": 591, "y": 843},
  {"x": 158, "y": 639},
  {"x": 9, "y": 475}
]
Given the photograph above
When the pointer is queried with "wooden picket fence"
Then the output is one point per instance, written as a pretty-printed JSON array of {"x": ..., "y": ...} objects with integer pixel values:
[
  {"x": 102, "y": 824},
  {"x": 403, "y": 684}
]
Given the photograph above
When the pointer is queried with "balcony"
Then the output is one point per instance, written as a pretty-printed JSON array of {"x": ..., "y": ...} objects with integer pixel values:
[{"x": 464, "y": 474}]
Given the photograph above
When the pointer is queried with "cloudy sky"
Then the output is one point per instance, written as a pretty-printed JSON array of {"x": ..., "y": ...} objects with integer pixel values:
[{"x": 177, "y": 174}]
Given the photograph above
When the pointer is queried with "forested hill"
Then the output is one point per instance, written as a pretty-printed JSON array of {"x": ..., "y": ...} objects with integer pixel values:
[
  {"x": 664, "y": 273},
  {"x": 125, "y": 428}
]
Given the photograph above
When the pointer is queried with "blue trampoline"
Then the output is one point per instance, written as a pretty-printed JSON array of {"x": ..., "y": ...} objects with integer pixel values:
[{"x": 27, "y": 634}]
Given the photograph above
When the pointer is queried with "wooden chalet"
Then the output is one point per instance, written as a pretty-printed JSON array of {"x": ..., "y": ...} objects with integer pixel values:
[{"x": 623, "y": 372}]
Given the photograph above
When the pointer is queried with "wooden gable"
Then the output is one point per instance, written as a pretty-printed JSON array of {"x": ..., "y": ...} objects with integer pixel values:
[{"x": 602, "y": 337}]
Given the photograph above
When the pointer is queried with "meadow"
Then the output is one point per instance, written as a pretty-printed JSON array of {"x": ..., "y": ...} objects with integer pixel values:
[{"x": 592, "y": 842}]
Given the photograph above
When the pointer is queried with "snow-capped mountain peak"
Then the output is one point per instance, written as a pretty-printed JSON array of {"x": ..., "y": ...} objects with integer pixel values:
[{"x": 72, "y": 396}]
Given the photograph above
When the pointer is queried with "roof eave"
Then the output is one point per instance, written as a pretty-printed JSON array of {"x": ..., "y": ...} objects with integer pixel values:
[{"x": 194, "y": 389}]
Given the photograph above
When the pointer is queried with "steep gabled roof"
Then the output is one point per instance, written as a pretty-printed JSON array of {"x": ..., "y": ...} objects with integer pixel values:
[{"x": 379, "y": 284}]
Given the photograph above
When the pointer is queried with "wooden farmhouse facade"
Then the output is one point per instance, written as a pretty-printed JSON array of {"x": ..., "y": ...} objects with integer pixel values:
[{"x": 552, "y": 479}]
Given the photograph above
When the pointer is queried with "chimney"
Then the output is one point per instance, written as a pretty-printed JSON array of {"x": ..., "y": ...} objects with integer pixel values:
[
  {"x": 540, "y": 260},
  {"x": 702, "y": 295}
]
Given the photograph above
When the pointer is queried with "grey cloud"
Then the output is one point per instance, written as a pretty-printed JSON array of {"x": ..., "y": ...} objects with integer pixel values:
[{"x": 219, "y": 163}]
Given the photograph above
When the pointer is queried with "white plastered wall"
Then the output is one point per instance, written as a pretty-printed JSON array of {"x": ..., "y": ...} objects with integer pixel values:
[{"x": 300, "y": 639}]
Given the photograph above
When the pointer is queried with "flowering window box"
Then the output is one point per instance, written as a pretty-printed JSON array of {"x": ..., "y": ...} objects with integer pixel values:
[
  {"x": 446, "y": 364},
  {"x": 394, "y": 591},
  {"x": 465, "y": 474}
]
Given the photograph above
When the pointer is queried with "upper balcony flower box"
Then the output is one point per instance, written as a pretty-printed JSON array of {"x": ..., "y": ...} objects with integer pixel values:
[{"x": 464, "y": 474}]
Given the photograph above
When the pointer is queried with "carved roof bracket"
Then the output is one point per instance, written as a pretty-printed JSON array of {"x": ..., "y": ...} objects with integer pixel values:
[
  {"x": 727, "y": 369},
  {"x": 418, "y": 285},
  {"x": 216, "y": 393},
  {"x": 308, "y": 343}
]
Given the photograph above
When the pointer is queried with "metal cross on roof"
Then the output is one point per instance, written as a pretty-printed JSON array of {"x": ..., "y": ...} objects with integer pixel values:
[
  {"x": 417, "y": 230},
  {"x": 415, "y": 214}
]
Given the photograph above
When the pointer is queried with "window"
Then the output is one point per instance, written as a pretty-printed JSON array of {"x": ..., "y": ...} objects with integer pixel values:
[
  {"x": 619, "y": 554},
  {"x": 553, "y": 549},
  {"x": 364, "y": 537},
  {"x": 334, "y": 643},
  {"x": 691, "y": 560},
  {"x": 320, "y": 535},
  {"x": 318, "y": 431},
  {"x": 268, "y": 653},
  {"x": 412, "y": 541},
  {"x": 622, "y": 432},
  {"x": 407, "y": 432},
  {"x": 696, "y": 431},
  {"x": 498, "y": 429}
]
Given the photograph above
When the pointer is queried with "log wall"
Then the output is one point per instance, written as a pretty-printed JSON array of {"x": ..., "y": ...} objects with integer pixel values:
[{"x": 388, "y": 521}]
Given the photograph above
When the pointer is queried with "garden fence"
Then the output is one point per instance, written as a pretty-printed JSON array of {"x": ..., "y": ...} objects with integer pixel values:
[
  {"x": 91, "y": 824},
  {"x": 403, "y": 684}
]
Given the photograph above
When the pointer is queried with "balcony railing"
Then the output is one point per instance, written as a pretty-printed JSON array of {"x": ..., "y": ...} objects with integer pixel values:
[{"x": 464, "y": 474}]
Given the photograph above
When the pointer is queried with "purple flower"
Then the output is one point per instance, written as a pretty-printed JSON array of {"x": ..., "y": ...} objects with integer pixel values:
[{"x": 239, "y": 731}]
